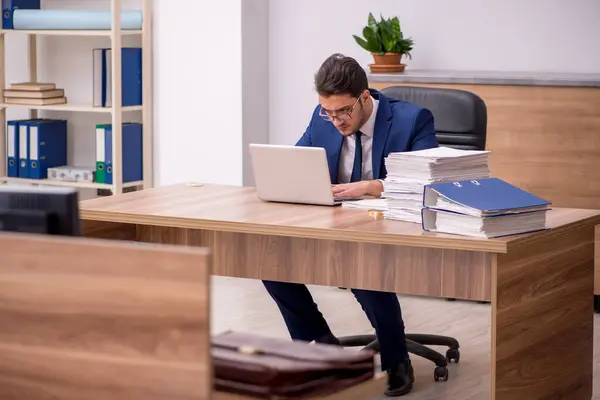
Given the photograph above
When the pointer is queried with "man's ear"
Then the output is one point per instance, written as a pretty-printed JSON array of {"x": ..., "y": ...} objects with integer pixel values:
[{"x": 365, "y": 95}]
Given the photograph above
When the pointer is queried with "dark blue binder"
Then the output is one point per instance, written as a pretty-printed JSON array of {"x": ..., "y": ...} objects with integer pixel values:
[
  {"x": 131, "y": 77},
  {"x": 23, "y": 167},
  {"x": 481, "y": 197},
  {"x": 9, "y": 6},
  {"x": 12, "y": 148},
  {"x": 132, "y": 152},
  {"x": 47, "y": 146}
]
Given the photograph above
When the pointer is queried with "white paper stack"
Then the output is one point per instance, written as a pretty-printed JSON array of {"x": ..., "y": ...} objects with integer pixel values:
[
  {"x": 367, "y": 204},
  {"x": 409, "y": 172}
]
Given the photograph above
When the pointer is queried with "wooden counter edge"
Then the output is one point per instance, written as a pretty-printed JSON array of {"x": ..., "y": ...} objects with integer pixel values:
[
  {"x": 363, "y": 391},
  {"x": 452, "y": 242},
  {"x": 527, "y": 239}
]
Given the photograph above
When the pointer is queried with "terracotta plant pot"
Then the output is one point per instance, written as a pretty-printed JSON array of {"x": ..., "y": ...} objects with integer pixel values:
[
  {"x": 387, "y": 62},
  {"x": 387, "y": 58}
]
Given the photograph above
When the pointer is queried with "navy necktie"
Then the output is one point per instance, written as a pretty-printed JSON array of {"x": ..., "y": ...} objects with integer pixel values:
[{"x": 357, "y": 168}]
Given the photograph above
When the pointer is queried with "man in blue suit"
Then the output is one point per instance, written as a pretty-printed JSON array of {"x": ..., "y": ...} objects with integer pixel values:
[{"x": 358, "y": 127}]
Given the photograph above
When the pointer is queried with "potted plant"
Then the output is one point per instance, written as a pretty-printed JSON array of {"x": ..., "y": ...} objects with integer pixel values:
[{"x": 385, "y": 41}]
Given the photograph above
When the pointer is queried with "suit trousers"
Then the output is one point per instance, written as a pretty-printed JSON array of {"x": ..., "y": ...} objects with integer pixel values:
[{"x": 305, "y": 322}]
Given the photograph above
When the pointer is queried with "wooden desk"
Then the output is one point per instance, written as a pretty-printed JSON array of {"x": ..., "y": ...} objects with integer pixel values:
[{"x": 533, "y": 281}]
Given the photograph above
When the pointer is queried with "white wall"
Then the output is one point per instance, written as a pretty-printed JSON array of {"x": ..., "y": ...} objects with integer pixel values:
[
  {"x": 510, "y": 35},
  {"x": 197, "y": 91},
  {"x": 211, "y": 71},
  {"x": 255, "y": 79},
  {"x": 199, "y": 113}
]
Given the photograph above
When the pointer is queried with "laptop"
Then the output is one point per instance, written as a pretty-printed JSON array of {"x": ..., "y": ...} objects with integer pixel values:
[{"x": 292, "y": 174}]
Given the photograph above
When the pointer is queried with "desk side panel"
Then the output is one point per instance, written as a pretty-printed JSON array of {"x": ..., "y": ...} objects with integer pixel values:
[
  {"x": 408, "y": 270},
  {"x": 108, "y": 230},
  {"x": 103, "y": 320},
  {"x": 542, "y": 344}
]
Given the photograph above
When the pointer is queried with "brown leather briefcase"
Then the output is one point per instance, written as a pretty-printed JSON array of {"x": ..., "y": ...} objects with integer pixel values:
[{"x": 274, "y": 368}]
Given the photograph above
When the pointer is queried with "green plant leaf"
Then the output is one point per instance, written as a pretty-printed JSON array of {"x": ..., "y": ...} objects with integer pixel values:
[
  {"x": 363, "y": 43},
  {"x": 387, "y": 41},
  {"x": 373, "y": 40},
  {"x": 372, "y": 23},
  {"x": 395, "y": 27}
]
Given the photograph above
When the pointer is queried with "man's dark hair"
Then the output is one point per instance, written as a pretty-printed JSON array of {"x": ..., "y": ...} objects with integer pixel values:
[{"x": 341, "y": 75}]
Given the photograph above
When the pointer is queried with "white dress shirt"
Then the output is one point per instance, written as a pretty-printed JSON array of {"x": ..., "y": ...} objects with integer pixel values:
[{"x": 347, "y": 155}]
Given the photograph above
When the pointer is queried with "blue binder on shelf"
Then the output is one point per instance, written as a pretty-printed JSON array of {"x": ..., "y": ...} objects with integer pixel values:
[
  {"x": 131, "y": 77},
  {"x": 481, "y": 197},
  {"x": 47, "y": 146},
  {"x": 132, "y": 152},
  {"x": 12, "y": 148},
  {"x": 23, "y": 168},
  {"x": 20, "y": 146},
  {"x": 9, "y": 6}
]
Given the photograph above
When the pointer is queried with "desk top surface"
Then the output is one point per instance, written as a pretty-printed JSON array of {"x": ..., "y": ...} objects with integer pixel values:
[{"x": 237, "y": 209}]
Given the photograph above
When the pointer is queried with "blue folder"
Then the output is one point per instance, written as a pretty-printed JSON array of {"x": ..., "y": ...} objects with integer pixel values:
[
  {"x": 47, "y": 146},
  {"x": 9, "y": 6},
  {"x": 12, "y": 148},
  {"x": 23, "y": 168},
  {"x": 132, "y": 152},
  {"x": 131, "y": 77},
  {"x": 481, "y": 197}
]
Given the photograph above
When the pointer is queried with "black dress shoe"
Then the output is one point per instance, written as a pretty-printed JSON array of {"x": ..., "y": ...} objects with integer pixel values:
[
  {"x": 328, "y": 339},
  {"x": 400, "y": 379}
]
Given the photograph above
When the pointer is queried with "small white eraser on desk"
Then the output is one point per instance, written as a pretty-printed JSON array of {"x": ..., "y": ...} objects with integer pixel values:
[{"x": 194, "y": 184}]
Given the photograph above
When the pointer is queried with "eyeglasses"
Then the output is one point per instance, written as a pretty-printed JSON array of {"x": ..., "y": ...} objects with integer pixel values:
[{"x": 342, "y": 115}]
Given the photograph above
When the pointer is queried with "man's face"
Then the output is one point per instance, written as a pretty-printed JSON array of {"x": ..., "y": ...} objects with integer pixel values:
[{"x": 344, "y": 111}]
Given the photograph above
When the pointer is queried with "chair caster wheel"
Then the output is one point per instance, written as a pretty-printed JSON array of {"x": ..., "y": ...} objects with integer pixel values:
[
  {"x": 440, "y": 374},
  {"x": 453, "y": 355}
]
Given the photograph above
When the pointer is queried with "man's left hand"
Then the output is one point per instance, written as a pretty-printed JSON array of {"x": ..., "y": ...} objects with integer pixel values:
[{"x": 358, "y": 189}]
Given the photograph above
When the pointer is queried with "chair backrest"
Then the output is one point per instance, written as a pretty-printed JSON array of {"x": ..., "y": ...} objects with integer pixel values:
[
  {"x": 103, "y": 320},
  {"x": 460, "y": 116}
]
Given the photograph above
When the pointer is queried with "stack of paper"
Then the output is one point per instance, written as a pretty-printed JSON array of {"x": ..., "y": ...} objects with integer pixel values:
[
  {"x": 409, "y": 172},
  {"x": 367, "y": 204},
  {"x": 482, "y": 208}
]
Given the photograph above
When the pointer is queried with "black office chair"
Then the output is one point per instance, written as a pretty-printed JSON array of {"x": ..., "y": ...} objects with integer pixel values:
[{"x": 460, "y": 119}]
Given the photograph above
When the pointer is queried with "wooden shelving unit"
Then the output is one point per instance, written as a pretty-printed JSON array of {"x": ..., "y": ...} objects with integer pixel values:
[{"x": 116, "y": 111}]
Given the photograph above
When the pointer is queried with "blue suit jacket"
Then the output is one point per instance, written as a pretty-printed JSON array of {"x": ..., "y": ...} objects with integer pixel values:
[{"x": 399, "y": 126}]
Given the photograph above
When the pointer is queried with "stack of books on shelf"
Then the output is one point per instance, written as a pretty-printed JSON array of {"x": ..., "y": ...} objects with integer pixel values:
[
  {"x": 34, "y": 94},
  {"x": 409, "y": 172},
  {"x": 484, "y": 208}
]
